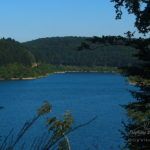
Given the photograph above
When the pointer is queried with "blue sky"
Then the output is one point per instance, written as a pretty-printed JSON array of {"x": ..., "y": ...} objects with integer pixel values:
[{"x": 26, "y": 20}]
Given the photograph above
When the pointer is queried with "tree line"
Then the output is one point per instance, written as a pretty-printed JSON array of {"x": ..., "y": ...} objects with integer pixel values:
[
  {"x": 43, "y": 56},
  {"x": 65, "y": 51}
]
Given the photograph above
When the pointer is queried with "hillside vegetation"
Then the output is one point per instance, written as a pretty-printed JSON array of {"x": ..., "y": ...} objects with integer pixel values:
[
  {"x": 64, "y": 50},
  {"x": 17, "y": 62},
  {"x": 12, "y": 51},
  {"x": 60, "y": 54}
]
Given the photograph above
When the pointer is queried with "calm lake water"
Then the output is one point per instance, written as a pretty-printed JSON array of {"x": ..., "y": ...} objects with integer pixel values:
[{"x": 85, "y": 94}]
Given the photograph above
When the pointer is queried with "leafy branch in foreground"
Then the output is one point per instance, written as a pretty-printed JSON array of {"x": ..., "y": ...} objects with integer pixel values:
[
  {"x": 140, "y": 9},
  {"x": 56, "y": 137}
]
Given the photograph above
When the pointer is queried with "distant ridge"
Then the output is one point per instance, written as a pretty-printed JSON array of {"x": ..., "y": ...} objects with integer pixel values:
[
  {"x": 63, "y": 50},
  {"x": 12, "y": 51}
]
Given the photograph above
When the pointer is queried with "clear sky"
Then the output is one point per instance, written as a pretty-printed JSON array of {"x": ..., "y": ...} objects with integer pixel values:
[{"x": 26, "y": 20}]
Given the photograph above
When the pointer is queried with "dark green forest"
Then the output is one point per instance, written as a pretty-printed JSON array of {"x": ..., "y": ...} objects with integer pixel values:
[
  {"x": 43, "y": 56},
  {"x": 64, "y": 51},
  {"x": 12, "y": 51},
  {"x": 16, "y": 61}
]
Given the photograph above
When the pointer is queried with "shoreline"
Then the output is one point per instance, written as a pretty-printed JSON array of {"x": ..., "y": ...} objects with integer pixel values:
[
  {"x": 58, "y": 72},
  {"x": 24, "y": 78},
  {"x": 132, "y": 83},
  {"x": 135, "y": 83}
]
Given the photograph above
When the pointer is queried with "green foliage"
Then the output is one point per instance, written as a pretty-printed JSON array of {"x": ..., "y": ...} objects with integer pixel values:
[
  {"x": 46, "y": 108},
  {"x": 63, "y": 51},
  {"x": 57, "y": 130},
  {"x": 19, "y": 71},
  {"x": 62, "y": 68},
  {"x": 136, "y": 80},
  {"x": 140, "y": 9},
  {"x": 137, "y": 130},
  {"x": 12, "y": 51},
  {"x": 56, "y": 137},
  {"x": 60, "y": 54}
]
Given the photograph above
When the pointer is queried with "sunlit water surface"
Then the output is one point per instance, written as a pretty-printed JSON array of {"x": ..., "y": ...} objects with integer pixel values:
[{"x": 85, "y": 94}]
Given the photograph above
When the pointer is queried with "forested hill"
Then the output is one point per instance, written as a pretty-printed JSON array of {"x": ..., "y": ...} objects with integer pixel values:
[
  {"x": 43, "y": 56},
  {"x": 17, "y": 62},
  {"x": 63, "y": 50},
  {"x": 12, "y": 51}
]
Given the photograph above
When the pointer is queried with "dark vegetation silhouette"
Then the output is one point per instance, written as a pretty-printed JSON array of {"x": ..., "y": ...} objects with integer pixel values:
[
  {"x": 139, "y": 8},
  {"x": 137, "y": 129},
  {"x": 137, "y": 135}
]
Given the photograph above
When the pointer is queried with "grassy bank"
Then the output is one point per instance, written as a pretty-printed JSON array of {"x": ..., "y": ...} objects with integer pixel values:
[
  {"x": 134, "y": 80},
  {"x": 20, "y": 72},
  {"x": 62, "y": 68}
]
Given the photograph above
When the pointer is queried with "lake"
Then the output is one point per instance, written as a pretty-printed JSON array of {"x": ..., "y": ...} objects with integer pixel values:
[{"x": 85, "y": 94}]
